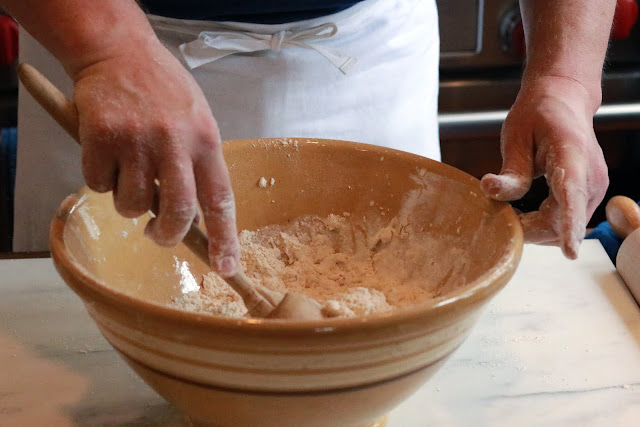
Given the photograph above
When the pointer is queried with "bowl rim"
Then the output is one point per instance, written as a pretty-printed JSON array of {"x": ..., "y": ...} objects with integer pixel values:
[{"x": 484, "y": 287}]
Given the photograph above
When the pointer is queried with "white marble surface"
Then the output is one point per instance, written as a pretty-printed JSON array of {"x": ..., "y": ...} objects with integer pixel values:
[{"x": 559, "y": 346}]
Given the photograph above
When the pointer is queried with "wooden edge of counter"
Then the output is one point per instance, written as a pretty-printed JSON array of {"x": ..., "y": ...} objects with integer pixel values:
[{"x": 20, "y": 255}]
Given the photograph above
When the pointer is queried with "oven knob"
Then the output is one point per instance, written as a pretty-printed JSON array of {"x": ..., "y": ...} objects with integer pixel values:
[
  {"x": 624, "y": 19},
  {"x": 512, "y": 33},
  {"x": 8, "y": 40}
]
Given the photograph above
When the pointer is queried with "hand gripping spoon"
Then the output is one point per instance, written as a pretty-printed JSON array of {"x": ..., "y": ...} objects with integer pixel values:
[{"x": 260, "y": 301}]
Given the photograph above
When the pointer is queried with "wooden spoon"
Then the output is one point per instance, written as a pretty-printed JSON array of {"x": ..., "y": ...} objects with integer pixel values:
[
  {"x": 260, "y": 301},
  {"x": 623, "y": 215}
]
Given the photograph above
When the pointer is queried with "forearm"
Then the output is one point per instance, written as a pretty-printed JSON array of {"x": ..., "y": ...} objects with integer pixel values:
[
  {"x": 82, "y": 32},
  {"x": 567, "y": 39}
]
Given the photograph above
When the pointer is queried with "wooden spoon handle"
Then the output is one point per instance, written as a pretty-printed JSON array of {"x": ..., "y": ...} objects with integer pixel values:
[
  {"x": 61, "y": 108},
  {"x": 259, "y": 300},
  {"x": 623, "y": 215}
]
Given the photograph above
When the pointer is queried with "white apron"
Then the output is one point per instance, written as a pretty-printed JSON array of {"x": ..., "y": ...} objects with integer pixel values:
[{"x": 288, "y": 82}]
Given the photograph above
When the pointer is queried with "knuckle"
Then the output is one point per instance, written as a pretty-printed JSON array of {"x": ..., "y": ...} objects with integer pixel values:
[
  {"x": 102, "y": 130},
  {"x": 224, "y": 247},
  {"x": 598, "y": 179},
  {"x": 509, "y": 122},
  {"x": 545, "y": 109},
  {"x": 167, "y": 239},
  {"x": 209, "y": 134},
  {"x": 178, "y": 214},
  {"x": 601, "y": 175},
  {"x": 165, "y": 128},
  {"x": 173, "y": 223},
  {"x": 601, "y": 186},
  {"x": 111, "y": 134},
  {"x": 220, "y": 208}
]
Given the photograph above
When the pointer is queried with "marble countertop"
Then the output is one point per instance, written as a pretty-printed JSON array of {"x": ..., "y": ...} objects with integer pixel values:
[{"x": 559, "y": 346}]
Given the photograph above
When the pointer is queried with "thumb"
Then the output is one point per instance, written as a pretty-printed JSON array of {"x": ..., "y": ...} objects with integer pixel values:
[
  {"x": 506, "y": 186},
  {"x": 514, "y": 180}
]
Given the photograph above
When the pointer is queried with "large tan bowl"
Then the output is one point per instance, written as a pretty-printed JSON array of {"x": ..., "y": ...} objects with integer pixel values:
[{"x": 249, "y": 372}]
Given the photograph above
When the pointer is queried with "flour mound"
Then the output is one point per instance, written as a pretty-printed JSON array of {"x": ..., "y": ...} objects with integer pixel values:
[{"x": 352, "y": 268}]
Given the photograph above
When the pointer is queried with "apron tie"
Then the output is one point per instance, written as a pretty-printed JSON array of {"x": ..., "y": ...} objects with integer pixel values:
[
  {"x": 213, "y": 45},
  {"x": 276, "y": 41}
]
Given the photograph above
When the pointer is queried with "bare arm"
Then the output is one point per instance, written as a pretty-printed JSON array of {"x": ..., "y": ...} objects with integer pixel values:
[
  {"x": 141, "y": 117},
  {"x": 549, "y": 129},
  {"x": 568, "y": 39},
  {"x": 80, "y": 32}
]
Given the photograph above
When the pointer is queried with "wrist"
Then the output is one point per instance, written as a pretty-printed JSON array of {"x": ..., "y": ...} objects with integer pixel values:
[
  {"x": 127, "y": 50},
  {"x": 94, "y": 50},
  {"x": 585, "y": 91}
]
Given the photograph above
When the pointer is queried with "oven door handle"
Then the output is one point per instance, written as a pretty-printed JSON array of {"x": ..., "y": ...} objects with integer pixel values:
[{"x": 488, "y": 123}]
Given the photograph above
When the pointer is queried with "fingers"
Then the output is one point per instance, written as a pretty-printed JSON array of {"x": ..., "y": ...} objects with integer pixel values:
[
  {"x": 516, "y": 175},
  {"x": 218, "y": 210},
  {"x": 128, "y": 163},
  {"x": 563, "y": 216},
  {"x": 177, "y": 195},
  {"x": 597, "y": 179},
  {"x": 99, "y": 167},
  {"x": 538, "y": 226},
  {"x": 548, "y": 226},
  {"x": 567, "y": 180},
  {"x": 133, "y": 194},
  {"x": 549, "y": 130},
  {"x": 138, "y": 123}
]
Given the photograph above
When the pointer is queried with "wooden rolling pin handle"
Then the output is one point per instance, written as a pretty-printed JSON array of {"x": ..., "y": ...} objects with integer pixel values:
[
  {"x": 51, "y": 99},
  {"x": 623, "y": 215},
  {"x": 259, "y": 300}
]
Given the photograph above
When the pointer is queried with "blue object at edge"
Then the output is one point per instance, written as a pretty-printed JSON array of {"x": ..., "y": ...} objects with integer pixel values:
[
  {"x": 8, "y": 144},
  {"x": 608, "y": 238}
]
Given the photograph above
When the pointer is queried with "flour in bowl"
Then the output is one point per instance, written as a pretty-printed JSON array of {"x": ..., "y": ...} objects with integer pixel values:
[
  {"x": 351, "y": 264},
  {"x": 349, "y": 267}
]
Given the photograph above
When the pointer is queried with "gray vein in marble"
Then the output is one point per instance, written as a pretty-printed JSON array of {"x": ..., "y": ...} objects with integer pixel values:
[{"x": 623, "y": 387}]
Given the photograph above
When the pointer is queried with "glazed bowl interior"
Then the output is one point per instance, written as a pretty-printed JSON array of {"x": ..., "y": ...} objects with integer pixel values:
[
  {"x": 471, "y": 240},
  {"x": 338, "y": 371}
]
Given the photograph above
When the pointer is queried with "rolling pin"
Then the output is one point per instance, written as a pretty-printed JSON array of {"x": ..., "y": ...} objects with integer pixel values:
[{"x": 623, "y": 215}]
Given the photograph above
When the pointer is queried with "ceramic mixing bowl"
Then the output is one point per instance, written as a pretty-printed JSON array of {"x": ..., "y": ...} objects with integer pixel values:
[{"x": 256, "y": 372}]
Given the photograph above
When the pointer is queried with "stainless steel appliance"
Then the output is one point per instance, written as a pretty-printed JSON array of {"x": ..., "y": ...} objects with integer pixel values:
[{"x": 482, "y": 48}]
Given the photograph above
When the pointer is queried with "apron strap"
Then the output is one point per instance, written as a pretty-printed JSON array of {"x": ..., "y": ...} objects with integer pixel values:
[{"x": 213, "y": 45}]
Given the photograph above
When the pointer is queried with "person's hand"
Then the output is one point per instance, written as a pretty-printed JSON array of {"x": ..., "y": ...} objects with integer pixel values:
[
  {"x": 549, "y": 131},
  {"x": 143, "y": 117}
]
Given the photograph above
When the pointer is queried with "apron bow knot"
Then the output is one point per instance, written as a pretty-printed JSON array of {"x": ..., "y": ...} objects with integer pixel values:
[
  {"x": 276, "y": 40},
  {"x": 213, "y": 45}
]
